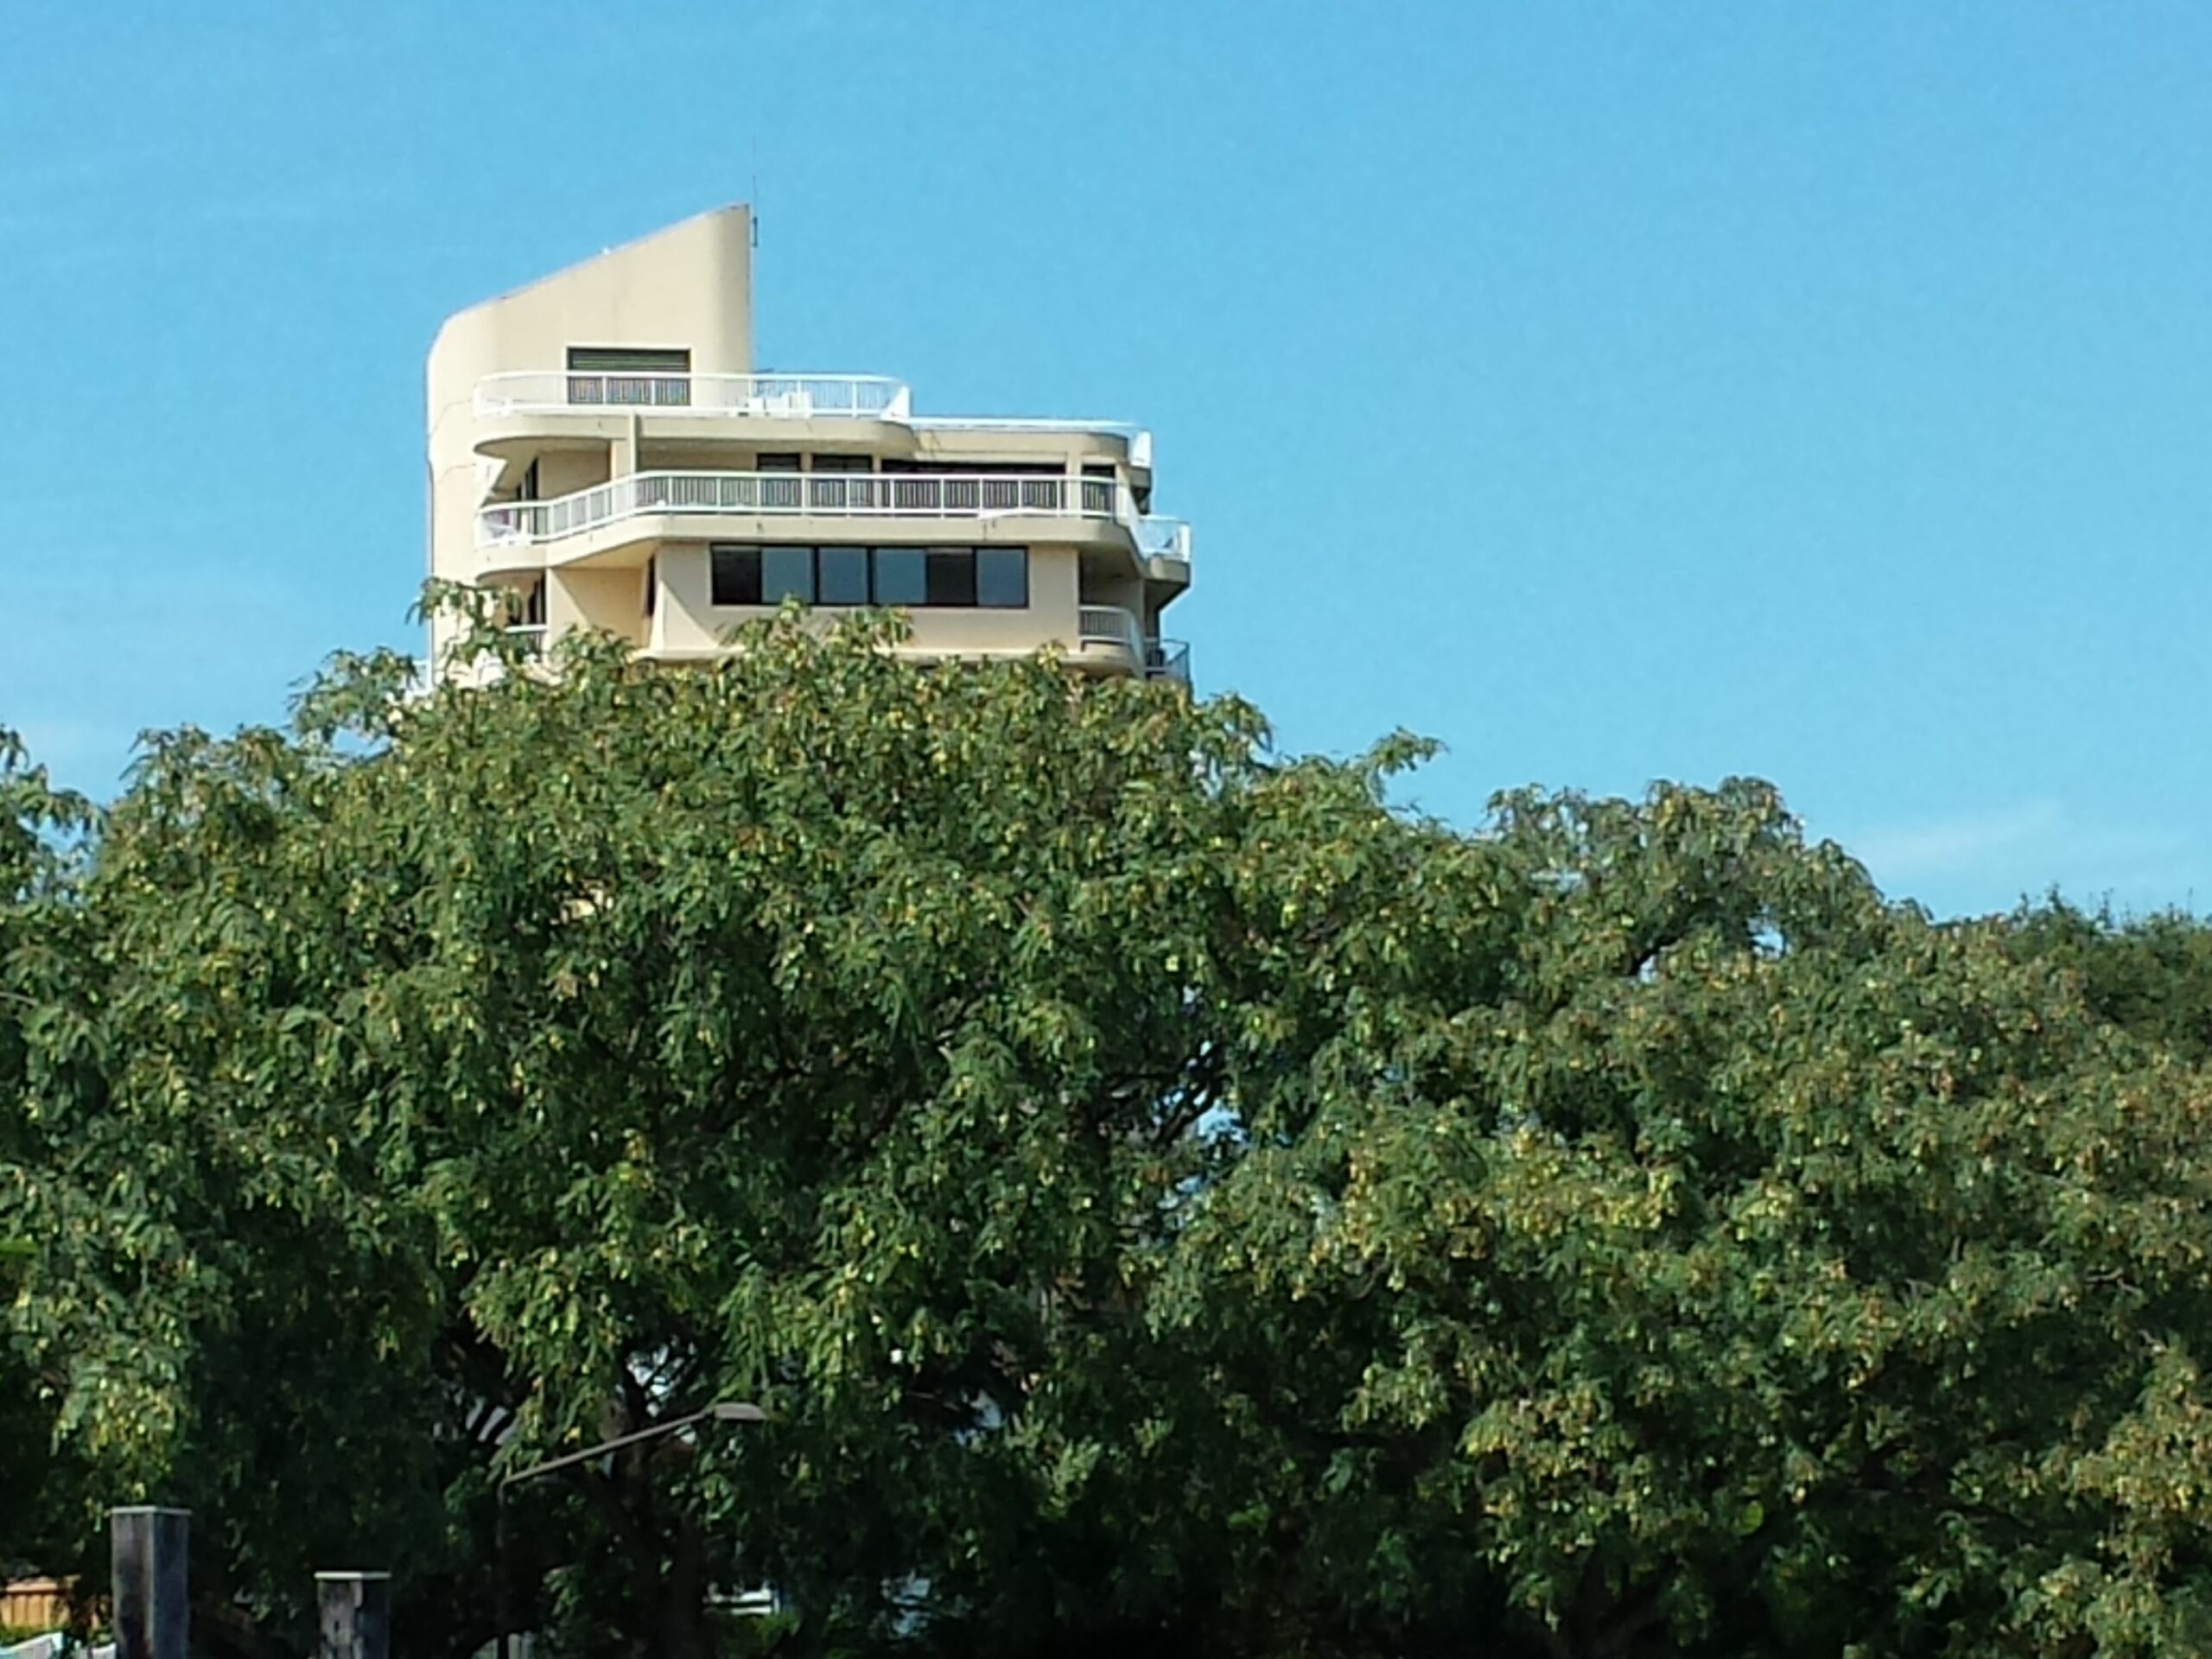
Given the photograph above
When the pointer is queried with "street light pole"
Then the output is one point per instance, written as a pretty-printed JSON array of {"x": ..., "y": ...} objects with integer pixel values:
[{"x": 722, "y": 1411}]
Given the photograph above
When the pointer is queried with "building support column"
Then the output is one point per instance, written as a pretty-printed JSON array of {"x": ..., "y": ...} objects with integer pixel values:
[{"x": 622, "y": 453}]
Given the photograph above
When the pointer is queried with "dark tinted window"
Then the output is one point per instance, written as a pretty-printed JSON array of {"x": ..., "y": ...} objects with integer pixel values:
[
  {"x": 951, "y": 575},
  {"x": 630, "y": 360},
  {"x": 843, "y": 575},
  {"x": 901, "y": 576},
  {"x": 1002, "y": 577},
  {"x": 841, "y": 464},
  {"x": 650, "y": 376},
  {"x": 971, "y": 468},
  {"x": 786, "y": 573},
  {"x": 997, "y": 577},
  {"x": 735, "y": 575},
  {"x": 777, "y": 463}
]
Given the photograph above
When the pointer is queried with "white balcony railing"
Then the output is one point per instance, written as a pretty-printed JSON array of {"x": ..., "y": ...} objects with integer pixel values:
[
  {"x": 1109, "y": 624},
  {"x": 1164, "y": 538},
  {"x": 786, "y": 396},
  {"x": 872, "y": 495},
  {"x": 1168, "y": 659},
  {"x": 1138, "y": 439},
  {"x": 771, "y": 397}
]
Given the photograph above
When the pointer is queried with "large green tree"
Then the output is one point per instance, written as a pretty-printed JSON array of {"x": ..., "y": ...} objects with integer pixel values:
[
  {"x": 1738, "y": 1265},
  {"x": 1163, "y": 1195},
  {"x": 41, "y": 1055}
]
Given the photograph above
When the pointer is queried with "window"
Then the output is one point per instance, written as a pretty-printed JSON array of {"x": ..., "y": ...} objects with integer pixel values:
[
  {"x": 1098, "y": 487},
  {"x": 977, "y": 486},
  {"x": 995, "y": 578},
  {"x": 841, "y": 575},
  {"x": 629, "y": 359},
  {"x": 652, "y": 376},
  {"x": 652, "y": 584},
  {"x": 974, "y": 468},
  {"x": 951, "y": 575},
  {"x": 828, "y": 488},
  {"x": 786, "y": 573},
  {"x": 778, "y": 494},
  {"x": 901, "y": 576},
  {"x": 524, "y": 606},
  {"x": 1002, "y": 578},
  {"x": 735, "y": 576}
]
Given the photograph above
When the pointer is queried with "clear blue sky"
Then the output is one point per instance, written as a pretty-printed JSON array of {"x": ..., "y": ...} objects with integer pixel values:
[{"x": 1612, "y": 391}]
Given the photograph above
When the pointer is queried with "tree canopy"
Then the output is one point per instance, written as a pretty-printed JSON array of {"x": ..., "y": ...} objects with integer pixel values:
[{"x": 1161, "y": 1193}]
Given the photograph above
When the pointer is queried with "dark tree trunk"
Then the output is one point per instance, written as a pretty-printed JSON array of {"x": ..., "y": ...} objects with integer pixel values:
[
  {"x": 1602, "y": 1625},
  {"x": 682, "y": 1614}
]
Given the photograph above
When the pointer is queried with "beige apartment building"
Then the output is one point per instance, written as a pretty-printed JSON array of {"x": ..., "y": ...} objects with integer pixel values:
[{"x": 602, "y": 448}]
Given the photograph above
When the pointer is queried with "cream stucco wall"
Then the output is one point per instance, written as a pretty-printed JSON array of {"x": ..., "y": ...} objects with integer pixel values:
[
  {"x": 563, "y": 472},
  {"x": 607, "y": 600},
  {"x": 689, "y": 285}
]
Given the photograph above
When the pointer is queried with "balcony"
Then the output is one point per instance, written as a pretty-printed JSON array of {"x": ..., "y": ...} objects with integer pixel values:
[
  {"x": 875, "y": 496},
  {"x": 760, "y": 397},
  {"x": 1111, "y": 628},
  {"x": 1164, "y": 538},
  {"x": 774, "y": 397}
]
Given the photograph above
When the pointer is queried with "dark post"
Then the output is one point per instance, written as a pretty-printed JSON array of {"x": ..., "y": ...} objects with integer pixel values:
[
  {"x": 356, "y": 1614},
  {"x": 152, "y": 1593},
  {"x": 503, "y": 1596}
]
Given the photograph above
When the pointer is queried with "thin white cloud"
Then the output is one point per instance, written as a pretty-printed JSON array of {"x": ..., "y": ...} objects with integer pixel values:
[
  {"x": 1955, "y": 845},
  {"x": 1991, "y": 859}
]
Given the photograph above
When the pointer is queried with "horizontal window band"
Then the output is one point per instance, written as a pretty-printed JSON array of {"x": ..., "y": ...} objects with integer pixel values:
[{"x": 938, "y": 578}]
